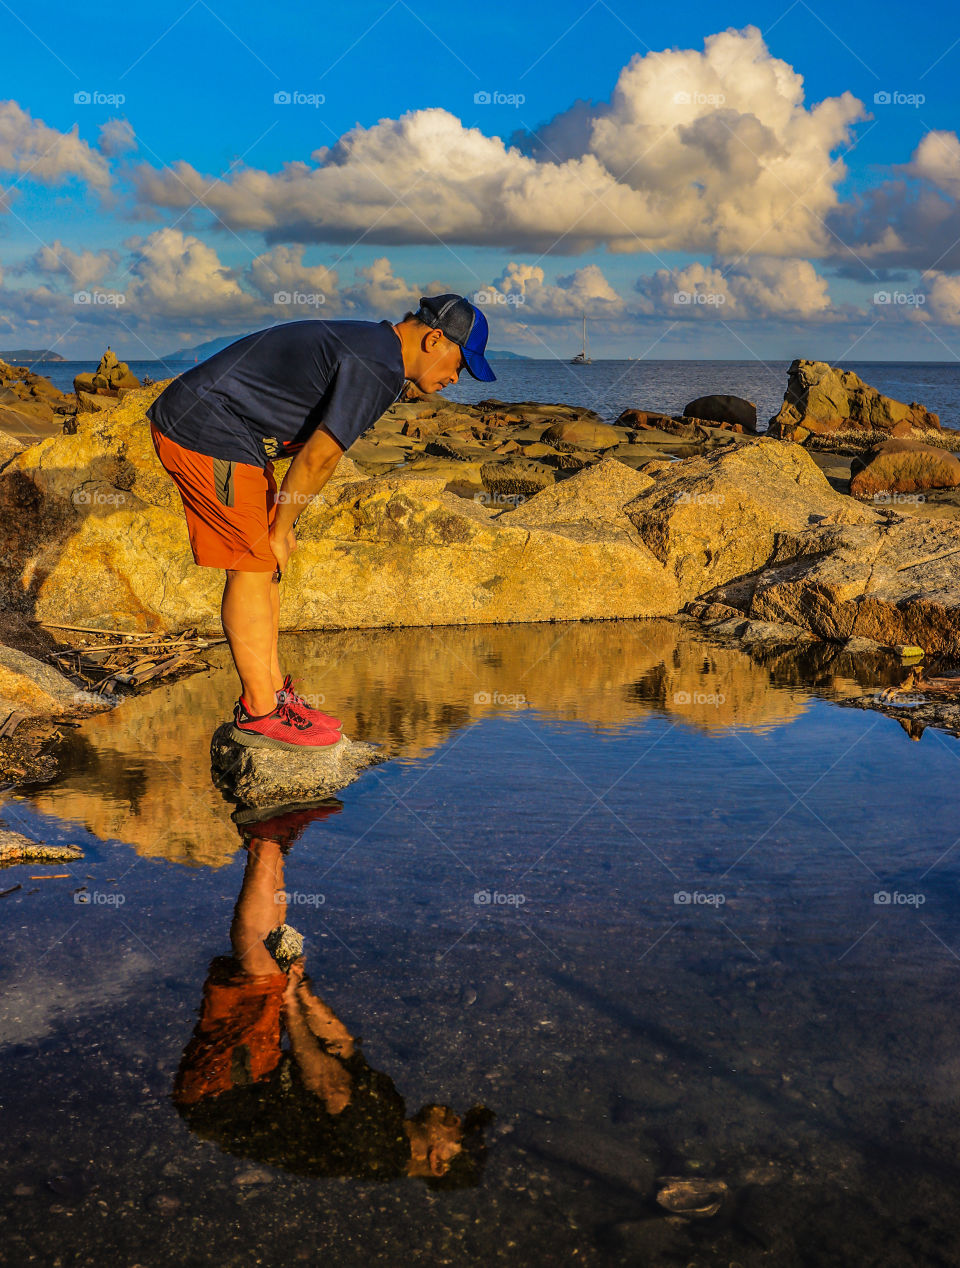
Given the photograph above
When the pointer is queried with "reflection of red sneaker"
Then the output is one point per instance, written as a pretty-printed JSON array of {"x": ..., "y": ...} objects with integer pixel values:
[
  {"x": 285, "y": 825},
  {"x": 283, "y": 728},
  {"x": 287, "y": 695}
]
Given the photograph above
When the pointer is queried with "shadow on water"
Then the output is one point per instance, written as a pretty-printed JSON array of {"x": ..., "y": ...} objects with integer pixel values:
[{"x": 659, "y": 904}]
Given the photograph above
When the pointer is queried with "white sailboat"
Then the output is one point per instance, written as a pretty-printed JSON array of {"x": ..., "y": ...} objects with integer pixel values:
[{"x": 583, "y": 356}]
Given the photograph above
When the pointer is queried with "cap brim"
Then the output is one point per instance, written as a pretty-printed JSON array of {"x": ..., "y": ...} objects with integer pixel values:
[{"x": 478, "y": 366}]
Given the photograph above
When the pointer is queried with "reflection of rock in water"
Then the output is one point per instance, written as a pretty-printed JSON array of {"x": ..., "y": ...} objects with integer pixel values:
[
  {"x": 141, "y": 773},
  {"x": 713, "y": 687}
]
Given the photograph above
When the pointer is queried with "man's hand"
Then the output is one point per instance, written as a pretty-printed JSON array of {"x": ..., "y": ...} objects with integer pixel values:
[{"x": 283, "y": 545}]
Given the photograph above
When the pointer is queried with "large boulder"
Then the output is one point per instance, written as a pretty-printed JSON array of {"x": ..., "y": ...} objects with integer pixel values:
[
  {"x": 724, "y": 409},
  {"x": 580, "y": 434},
  {"x": 826, "y": 406},
  {"x": 93, "y": 533},
  {"x": 35, "y": 689},
  {"x": 895, "y": 581},
  {"x": 716, "y": 516},
  {"x": 110, "y": 378},
  {"x": 903, "y": 466}
]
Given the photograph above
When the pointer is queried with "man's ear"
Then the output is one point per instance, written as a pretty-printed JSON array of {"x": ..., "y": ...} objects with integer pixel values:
[
  {"x": 435, "y": 1161},
  {"x": 431, "y": 339}
]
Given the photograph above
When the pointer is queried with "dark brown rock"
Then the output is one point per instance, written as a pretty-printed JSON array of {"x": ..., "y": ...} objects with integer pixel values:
[{"x": 724, "y": 409}]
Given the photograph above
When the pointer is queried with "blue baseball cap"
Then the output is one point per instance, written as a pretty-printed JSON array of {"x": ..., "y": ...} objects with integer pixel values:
[{"x": 462, "y": 323}]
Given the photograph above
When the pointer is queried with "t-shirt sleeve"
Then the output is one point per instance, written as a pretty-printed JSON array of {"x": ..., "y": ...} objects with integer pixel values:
[{"x": 357, "y": 395}]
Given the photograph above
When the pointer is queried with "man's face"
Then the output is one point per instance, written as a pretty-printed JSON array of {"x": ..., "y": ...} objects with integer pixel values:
[
  {"x": 443, "y": 361},
  {"x": 444, "y": 1134}
]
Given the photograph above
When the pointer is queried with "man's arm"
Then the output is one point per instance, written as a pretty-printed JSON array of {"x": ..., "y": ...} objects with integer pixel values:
[{"x": 307, "y": 474}]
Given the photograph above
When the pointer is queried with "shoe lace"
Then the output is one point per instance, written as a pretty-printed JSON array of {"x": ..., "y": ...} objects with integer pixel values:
[
  {"x": 287, "y": 713},
  {"x": 292, "y": 694}
]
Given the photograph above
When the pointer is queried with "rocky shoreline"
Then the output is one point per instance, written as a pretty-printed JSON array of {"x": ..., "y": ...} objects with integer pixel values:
[{"x": 448, "y": 514}]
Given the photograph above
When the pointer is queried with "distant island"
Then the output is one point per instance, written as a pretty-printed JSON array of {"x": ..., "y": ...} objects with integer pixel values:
[
  {"x": 203, "y": 350},
  {"x": 22, "y": 356}
]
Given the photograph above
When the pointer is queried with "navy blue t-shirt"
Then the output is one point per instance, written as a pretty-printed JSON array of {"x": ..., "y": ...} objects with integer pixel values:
[{"x": 265, "y": 395}]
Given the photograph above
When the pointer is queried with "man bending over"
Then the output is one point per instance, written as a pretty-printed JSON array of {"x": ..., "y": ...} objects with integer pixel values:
[{"x": 305, "y": 389}]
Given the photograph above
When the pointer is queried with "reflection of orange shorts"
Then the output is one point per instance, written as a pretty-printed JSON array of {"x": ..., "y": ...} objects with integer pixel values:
[
  {"x": 229, "y": 506},
  {"x": 237, "y": 1039}
]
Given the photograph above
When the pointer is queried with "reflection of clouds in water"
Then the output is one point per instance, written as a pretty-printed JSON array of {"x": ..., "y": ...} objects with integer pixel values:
[{"x": 38, "y": 999}]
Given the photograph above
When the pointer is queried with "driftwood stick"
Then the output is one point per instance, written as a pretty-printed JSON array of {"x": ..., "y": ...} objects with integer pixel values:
[{"x": 91, "y": 629}]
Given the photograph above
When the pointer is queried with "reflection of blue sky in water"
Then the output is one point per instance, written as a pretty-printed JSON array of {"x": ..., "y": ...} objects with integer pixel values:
[{"x": 797, "y": 1040}]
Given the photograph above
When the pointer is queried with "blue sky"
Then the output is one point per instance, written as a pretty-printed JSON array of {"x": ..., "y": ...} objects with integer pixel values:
[{"x": 437, "y": 150}]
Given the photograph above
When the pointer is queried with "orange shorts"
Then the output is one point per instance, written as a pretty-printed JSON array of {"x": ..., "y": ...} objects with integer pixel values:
[
  {"x": 237, "y": 1039},
  {"x": 229, "y": 506}
]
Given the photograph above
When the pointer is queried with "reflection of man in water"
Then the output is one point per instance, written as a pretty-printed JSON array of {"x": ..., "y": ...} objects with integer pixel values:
[{"x": 316, "y": 1108}]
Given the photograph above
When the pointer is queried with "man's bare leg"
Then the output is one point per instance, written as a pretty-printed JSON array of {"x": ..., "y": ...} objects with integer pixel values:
[
  {"x": 275, "y": 673},
  {"x": 261, "y": 907},
  {"x": 250, "y": 615}
]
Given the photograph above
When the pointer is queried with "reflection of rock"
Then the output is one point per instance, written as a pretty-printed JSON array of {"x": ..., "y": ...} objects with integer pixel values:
[
  {"x": 913, "y": 709},
  {"x": 269, "y": 776},
  {"x": 903, "y": 466},
  {"x": 136, "y": 774},
  {"x": 833, "y": 408}
]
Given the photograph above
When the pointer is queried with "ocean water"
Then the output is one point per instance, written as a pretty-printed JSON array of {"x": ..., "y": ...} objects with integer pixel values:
[
  {"x": 609, "y": 387},
  {"x": 661, "y": 909}
]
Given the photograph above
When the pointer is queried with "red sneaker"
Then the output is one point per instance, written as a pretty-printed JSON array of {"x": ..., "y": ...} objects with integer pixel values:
[
  {"x": 283, "y": 728},
  {"x": 287, "y": 695},
  {"x": 285, "y": 825}
]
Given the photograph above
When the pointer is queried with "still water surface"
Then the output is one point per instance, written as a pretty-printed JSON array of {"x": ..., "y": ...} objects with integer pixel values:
[{"x": 614, "y": 884}]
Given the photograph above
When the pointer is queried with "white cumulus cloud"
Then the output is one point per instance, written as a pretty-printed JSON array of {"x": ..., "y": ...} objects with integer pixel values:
[
  {"x": 761, "y": 287},
  {"x": 29, "y": 147},
  {"x": 83, "y": 268},
  {"x": 713, "y": 150},
  {"x": 522, "y": 289},
  {"x": 175, "y": 275}
]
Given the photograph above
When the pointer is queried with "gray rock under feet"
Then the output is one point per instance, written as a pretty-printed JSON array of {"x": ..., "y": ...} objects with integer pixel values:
[{"x": 273, "y": 776}]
